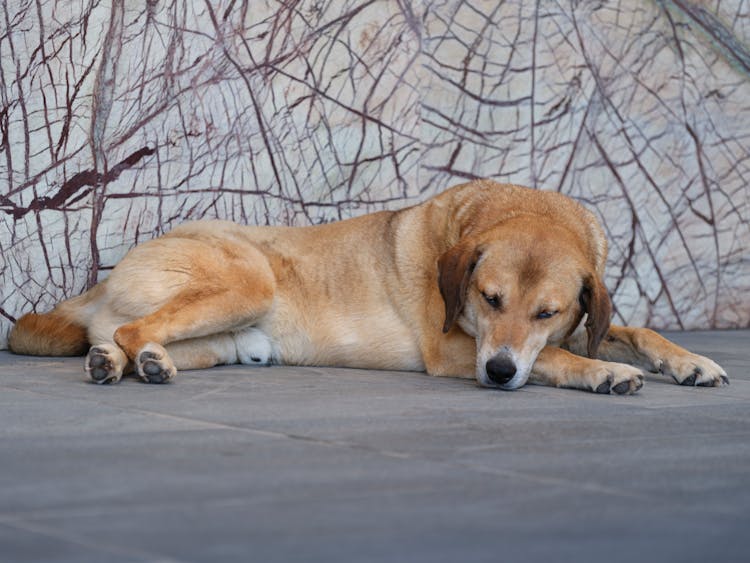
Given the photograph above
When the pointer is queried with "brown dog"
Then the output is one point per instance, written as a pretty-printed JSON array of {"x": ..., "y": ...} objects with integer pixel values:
[{"x": 485, "y": 280}]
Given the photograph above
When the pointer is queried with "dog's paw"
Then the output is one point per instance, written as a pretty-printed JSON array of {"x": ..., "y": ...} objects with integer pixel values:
[
  {"x": 104, "y": 363},
  {"x": 611, "y": 377},
  {"x": 692, "y": 369},
  {"x": 154, "y": 365}
]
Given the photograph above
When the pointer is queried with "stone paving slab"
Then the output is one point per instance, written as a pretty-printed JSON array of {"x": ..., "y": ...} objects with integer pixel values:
[{"x": 309, "y": 464}]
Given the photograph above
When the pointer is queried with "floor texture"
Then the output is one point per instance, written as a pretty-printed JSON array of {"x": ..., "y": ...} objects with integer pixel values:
[{"x": 303, "y": 464}]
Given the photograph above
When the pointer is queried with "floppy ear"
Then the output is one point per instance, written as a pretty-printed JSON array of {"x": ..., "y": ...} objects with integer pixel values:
[
  {"x": 597, "y": 305},
  {"x": 454, "y": 272}
]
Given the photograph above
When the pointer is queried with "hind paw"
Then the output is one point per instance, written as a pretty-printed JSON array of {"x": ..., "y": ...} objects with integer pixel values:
[
  {"x": 104, "y": 363},
  {"x": 154, "y": 365}
]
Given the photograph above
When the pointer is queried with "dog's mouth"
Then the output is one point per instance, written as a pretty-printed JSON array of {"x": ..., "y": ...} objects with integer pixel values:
[{"x": 516, "y": 382}]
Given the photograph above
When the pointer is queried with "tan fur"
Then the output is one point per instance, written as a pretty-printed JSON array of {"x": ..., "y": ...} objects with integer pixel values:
[
  {"x": 48, "y": 335},
  {"x": 460, "y": 285}
]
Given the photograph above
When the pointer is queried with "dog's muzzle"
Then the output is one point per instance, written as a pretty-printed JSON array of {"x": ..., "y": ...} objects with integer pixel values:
[{"x": 501, "y": 369}]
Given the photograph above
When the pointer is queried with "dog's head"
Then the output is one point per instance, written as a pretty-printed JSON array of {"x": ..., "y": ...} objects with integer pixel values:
[{"x": 517, "y": 287}]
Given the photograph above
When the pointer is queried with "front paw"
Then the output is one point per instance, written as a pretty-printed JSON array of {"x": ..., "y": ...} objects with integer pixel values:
[
  {"x": 692, "y": 369},
  {"x": 611, "y": 377}
]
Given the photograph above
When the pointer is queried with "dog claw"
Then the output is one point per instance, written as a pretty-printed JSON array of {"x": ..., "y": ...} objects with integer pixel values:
[
  {"x": 639, "y": 384},
  {"x": 694, "y": 370},
  {"x": 620, "y": 379}
]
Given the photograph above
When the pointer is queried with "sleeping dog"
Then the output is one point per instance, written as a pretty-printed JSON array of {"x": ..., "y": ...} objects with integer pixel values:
[{"x": 492, "y": 281}]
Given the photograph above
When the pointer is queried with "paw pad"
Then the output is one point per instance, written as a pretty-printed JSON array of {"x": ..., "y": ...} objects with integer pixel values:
[
  {"x": 622, "y": 387},
  {"x": 155, "y": 367},
  {"x": 100, "y": 367},
  {"x": 690, "y": 379}
]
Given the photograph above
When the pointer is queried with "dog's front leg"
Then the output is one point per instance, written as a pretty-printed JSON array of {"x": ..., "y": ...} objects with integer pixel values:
[
  {"x": 559, "y": 368},
  {"x": 450, "y": 355},
  {"x": 651, "y": 351}
]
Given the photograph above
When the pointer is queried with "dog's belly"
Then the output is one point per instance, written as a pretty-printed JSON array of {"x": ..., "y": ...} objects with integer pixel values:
[{"x": 373, "y": 342}]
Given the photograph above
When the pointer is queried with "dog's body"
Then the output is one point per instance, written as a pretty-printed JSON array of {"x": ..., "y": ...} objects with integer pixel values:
[{"x": 485, "y": 280}]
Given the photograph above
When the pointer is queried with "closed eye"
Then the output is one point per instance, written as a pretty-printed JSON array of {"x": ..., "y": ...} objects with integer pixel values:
[
  {"x": 546, "y": 315},
  {"x": 492, "y": 300}
]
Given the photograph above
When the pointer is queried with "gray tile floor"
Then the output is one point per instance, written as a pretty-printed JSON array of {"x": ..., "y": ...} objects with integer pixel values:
[{"x": 304, "y": 464}]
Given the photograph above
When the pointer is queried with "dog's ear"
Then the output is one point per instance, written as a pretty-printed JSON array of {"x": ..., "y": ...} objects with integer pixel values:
[
  {"x": 454, "y": 272},
  {"x": 595, "y": 302}
]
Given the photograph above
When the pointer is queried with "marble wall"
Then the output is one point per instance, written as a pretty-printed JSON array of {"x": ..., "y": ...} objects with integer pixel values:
[{"x": 120, "y": 119}]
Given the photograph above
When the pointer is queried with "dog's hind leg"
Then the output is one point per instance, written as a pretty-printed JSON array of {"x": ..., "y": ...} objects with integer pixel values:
[
  {"x": 204, "y": 352},
  {"x": 183, "y": 290},
  {"x": 194, "y": 313},
  {"x": 106, "y": 362}
]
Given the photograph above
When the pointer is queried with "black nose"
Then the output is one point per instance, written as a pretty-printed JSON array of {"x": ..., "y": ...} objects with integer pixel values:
[{"x": 501, "y": 369}]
